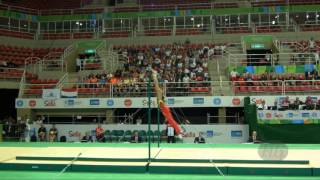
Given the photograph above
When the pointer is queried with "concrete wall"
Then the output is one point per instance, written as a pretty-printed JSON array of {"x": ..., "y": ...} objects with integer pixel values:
[{"x": 218, "y": 38}]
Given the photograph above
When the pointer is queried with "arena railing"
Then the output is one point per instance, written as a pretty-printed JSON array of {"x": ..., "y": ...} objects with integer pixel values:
[
  {"x": 173, "y": 89},
  {"x": 277, "y": 86},
  {"x": 53, "y": 65},
  {"x": 22, "y": 83},
  {"x": 274, "y": 59},
  {"x": 291, "y": 45},
  {"x": 96, "y": 64}
]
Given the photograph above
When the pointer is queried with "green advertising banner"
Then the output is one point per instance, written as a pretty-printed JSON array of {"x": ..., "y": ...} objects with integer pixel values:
[{"x": 288, "y": 117}]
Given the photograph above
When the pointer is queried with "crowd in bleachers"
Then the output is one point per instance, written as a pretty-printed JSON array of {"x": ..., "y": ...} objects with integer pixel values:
[
  {"x": 174, "y": 62},
  {"x": 184, "y": 64}
]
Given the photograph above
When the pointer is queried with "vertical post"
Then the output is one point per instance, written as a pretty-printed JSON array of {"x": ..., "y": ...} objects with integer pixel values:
[
  {"x": 1, "y": 128},
  {"x": 158, "y": 121},
  {"x": 149, "y": 118}
]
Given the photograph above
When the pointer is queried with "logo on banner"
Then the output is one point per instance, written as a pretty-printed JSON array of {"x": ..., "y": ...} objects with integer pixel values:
[
  {"x": 19, "y": 103},
  {"x": 314, "y": 115},
  {"x": 260, "y": 114},
  {"x": 110, "y": 102},
  {"x": 236, "y": 134},
  {"x": 236, "y": 101},
  {"x": 217, "y": 101},
  {"x": 32, "y": 103},
  {"x": 268, "y": 115},
  {"x": 94, "y": 102},
  {"x": 127, "y": 102},
  {"x": 51, "y": 93},
  {"x": 305, "y": 114},
  {"x": 71, "y": 102},
  {"x": 145, "y": 102},
  {"x": 278, "y": 114},
  {"x": 198, "y": 100},
  {"x": 211, "y": 133},
  {"x": 170, "y": 101},
  {"x": 50, "y": 102}
]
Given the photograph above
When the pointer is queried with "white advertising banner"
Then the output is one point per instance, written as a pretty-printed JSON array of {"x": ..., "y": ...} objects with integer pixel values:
[
  {"x": 69, "y": 94},
  {"x": 139, "y": 102},
  {"x": 142, "y": 102},
  {"x": 211, "y": 133}
]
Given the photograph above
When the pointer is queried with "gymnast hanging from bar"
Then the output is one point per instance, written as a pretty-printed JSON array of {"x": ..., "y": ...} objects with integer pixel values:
[{"x": 165, "y": 110}]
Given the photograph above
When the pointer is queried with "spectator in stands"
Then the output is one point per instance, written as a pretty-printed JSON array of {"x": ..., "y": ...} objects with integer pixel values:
[
  {"x": 170, "y": 134},
  {"x": 42, "y": 133},
  {"x": 200, "y": 139},
  {"x": 275, "y": 105},
  {"x": 311, "y": 44},
  {"x": 262, "y": 105},
  {"x": 87, "y": 138},
  {"x": 78, "y": 64},
  {"x": 27, "y": 130},
  {"x": 285, "y": 103},
  {"x": 297, "y": 103},
  {"x": 53, "y": 134},
  {"x": 234, "y": 74},
  {"x": 136, "y": 138},
  {"x": 39, "y": 120},
  {"x": 316, "y": 57},
  {"x": 100, "y": 134},
  {"x": 268, "y": 57},
  {"x": 93, "y": 81},
  {"x": 315, "y": 75},
  {"x": 309, "y": 105},
  {"x": 254, "y": 136},
  {"x": 318, "y": 104}
]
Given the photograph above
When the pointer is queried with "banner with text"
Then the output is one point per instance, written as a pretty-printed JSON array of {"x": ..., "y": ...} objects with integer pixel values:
[
  {"x": 288, "y": 117},
  {"x": 211, "y": 133}
]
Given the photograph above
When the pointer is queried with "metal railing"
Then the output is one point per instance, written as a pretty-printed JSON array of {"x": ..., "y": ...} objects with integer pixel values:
[
  {"x": 53, "y": 65},
  {"x": 277, "y": 86},
  {"x": 67, "y": 51},
  {"x": 173, "y": 89},
  {"x": 271, "y": 59},
  {"x": 91, "y": 64},
  {"x": 22, "y": 83}
]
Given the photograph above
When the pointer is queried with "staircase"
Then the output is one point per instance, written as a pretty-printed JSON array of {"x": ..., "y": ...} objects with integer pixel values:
[{"x": 219, "y": 76}]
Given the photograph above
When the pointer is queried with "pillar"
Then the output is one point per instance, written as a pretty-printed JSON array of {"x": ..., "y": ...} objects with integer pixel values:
[
  {"x": 109, "y": 116},
  {"x": 26, "y": 114},
  {"x": 222, "y": 115}
]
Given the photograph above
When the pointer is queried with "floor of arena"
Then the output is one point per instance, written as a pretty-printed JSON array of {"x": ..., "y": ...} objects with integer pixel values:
[{"x": 174, "y": 161}]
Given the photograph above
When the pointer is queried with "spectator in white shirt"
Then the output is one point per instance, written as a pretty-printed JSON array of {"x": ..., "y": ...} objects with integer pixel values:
[
  {"x": 210, "y": 52},
  {"x": 262, "y": 105},
  {"x": 170, "y": 134},
  {"x": 233, "y": 74}
]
